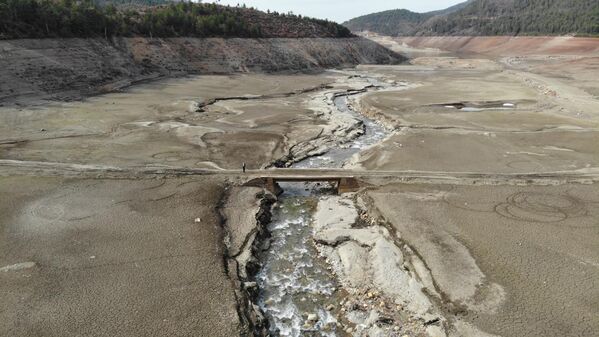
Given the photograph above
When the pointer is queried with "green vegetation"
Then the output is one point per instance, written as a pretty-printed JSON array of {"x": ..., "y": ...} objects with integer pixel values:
[
  {"x": 67, "y": 18},
  {"x": 87, "y": 18},
  {"x": 522, "y": 17},
  {"x": 392, "y": 22},
  {"x": 490, "y": 17}
]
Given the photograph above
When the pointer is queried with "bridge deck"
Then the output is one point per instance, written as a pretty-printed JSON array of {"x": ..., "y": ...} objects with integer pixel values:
[
  {"x": 293, "y": 178},
  {"x": 344, "y": 183}
]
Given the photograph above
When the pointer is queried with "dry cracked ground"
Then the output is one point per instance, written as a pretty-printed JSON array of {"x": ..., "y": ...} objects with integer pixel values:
[{"x": 479, "y": 214}]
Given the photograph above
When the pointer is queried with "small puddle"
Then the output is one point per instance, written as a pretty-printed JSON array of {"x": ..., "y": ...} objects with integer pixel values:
[{"x": 479, "y": 106}]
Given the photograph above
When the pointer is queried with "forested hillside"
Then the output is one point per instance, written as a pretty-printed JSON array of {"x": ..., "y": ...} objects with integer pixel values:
[
  {"x": 397, "y": 22},
  {"x": 519, "y": 17},
  {"x": 393, "y": 22},
  {"x": 88, "y": 18},
  {"x": 490, "y": 17}
]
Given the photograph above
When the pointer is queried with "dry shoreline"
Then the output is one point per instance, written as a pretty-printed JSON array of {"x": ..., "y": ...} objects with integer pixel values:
[{"x": 70, "y": 69}]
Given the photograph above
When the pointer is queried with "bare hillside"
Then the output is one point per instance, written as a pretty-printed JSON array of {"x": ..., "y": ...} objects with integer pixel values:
[{"x": 69, "y": 68}]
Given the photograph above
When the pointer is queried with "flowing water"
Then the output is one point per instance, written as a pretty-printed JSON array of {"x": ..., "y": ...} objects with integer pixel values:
[
  {"x": 296, "y": 288},
  {"x": 336, "y": 157},
  {"x": 294, "y": 283}
]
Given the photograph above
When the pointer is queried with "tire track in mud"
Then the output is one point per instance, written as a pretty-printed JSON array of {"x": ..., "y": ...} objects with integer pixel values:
[{"x": 541, "y": 207}]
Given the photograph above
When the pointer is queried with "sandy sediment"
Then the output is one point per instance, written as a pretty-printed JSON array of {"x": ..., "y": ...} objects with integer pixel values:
[
  {"x": 372, "y": 268},
  {"x": 398, "y": 277},
  {"x": 496, "y": 255},
  {"x": 138, "y": 255},
  {"x": 502, "y": 118}
]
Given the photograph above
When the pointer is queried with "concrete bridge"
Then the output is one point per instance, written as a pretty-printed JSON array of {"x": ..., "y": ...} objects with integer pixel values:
[
  {"x": 258, "y": 177},
  {"x": 344, "y": 184}
]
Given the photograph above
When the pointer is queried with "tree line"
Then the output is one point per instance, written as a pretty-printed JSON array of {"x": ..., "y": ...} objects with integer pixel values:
[
  {"x": 490, "y": 17},
  {"x": 88, "y": 18},
  {"x": 523, "y": 17}
]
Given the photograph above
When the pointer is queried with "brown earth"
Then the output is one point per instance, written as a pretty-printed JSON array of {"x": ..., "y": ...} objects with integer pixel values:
[
  {"x": 102, "y": 257},
  {"x": 72, "y": 68},
  {"x": 507, "y": 45},
  {"x": 511, "y": 260},
  {"x": 574, "y": 60},
  {"x": 163, "y": 123},
  {"x": 513, "y": 256},
  {"x": 535, "y": 112}
]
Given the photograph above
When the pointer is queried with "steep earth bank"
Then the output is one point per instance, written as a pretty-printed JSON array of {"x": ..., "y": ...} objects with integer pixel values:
[
  {"x": 506, "y": 45},
  {"x": 71, "y": 68}
]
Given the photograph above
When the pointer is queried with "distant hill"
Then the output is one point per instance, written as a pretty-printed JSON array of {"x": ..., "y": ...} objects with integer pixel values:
[
  {"x": 488, "y": 17},
  {"x": 134, "y": 2},
  {"x": 396, "y": 22},
  {"x": 152, "y": 18}
]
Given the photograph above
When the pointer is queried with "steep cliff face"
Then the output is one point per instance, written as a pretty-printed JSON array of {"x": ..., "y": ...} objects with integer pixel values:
[{"x": 71, "y": 68}]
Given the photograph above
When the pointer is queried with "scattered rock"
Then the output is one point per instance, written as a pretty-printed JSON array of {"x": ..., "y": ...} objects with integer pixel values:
[
  {"x": 250, "y": 285},
  {"x": 18, "y": 266}
]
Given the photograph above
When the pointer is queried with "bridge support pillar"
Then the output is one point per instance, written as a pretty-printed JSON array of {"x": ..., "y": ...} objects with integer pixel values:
[
  {"x": 347, "y": 185},
  {"x": 272, "y": 186}
]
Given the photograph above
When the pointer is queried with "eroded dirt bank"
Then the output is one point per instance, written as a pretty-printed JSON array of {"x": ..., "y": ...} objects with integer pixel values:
[
  {"x": 72, "y": 68},
  {"x": 507, "y": 45}
]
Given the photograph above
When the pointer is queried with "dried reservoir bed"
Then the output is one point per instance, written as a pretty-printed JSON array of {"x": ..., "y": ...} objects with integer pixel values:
[{"x": 489, "y": 236}]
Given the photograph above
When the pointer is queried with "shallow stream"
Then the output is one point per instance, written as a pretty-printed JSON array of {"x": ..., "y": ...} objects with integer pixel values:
[
  {"x": 297, "y": 290},
  {"x": 336, "y": 157},
  {"x": 296, "y": 286}
]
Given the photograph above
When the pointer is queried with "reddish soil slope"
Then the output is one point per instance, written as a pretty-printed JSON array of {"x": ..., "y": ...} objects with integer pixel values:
[{"x": 507, "y": 45}]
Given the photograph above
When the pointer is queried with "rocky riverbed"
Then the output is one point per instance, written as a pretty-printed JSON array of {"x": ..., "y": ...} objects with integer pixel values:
[{"x": 328, "y": 269}]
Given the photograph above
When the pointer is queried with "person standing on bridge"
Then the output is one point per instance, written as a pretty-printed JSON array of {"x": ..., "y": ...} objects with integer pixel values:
[{"x": 243, "y": 167}]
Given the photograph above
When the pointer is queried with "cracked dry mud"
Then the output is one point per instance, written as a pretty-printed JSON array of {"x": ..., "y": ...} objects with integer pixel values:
[{"x": 126, "y": 213}]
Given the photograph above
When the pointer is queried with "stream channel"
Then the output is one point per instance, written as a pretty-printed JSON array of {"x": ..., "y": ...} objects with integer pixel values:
[{"x": 297, "y": 290}]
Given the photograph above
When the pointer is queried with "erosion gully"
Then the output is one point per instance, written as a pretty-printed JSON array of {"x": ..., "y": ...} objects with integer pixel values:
[{"x": 297, "y": 290}]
